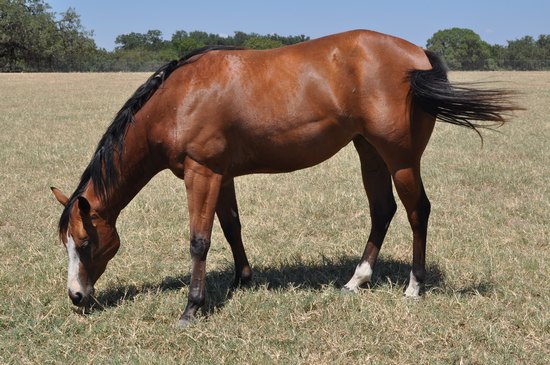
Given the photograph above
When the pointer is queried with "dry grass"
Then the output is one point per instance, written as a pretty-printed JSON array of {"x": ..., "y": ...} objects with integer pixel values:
[{"x": 488, "y": 253}]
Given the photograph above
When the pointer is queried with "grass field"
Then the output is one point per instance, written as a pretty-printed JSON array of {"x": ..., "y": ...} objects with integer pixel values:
[{"x": 487, "y": 299}]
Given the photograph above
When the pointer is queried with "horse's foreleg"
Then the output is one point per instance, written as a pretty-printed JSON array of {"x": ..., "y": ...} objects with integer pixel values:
[
  {"x": 203, "y": 186},
  {"x": 377, "y": 183},
  {"x": 228, "y": 215},
  {"x": 408, "y": 184}
]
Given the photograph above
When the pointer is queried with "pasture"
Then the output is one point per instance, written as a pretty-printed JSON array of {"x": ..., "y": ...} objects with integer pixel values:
[{"x": 487, "y": 299}]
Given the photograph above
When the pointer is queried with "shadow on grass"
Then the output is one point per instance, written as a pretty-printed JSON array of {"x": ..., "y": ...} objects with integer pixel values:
[{"x": 316, "y": 276}]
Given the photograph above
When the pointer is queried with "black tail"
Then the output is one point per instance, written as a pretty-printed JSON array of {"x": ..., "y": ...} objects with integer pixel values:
[{"x": 459, "y": 104}]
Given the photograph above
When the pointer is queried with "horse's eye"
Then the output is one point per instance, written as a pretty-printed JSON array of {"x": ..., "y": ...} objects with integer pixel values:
[{"x": 84, "y": 243}]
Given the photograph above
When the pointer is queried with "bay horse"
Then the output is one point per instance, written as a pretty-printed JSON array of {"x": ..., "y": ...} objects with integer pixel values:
[{"x": 223, "y": 112}]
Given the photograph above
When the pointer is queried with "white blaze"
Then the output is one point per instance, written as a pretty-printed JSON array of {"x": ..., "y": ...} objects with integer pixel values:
[
  {"x": 74, "y": 284},
  {"x": 363, "y": 273}
]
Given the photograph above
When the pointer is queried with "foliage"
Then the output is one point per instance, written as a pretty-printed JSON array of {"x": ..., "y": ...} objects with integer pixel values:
[
  {"x": 33, "y": 38},
  {"x": 145, "y": 51},
  {"x": 463, "y": 49},
  {"x": 182, "y": 43},
  {"x": 527, "y": 54},
  {"x": 256, "y": 42},
  {"x": 151, "y": 40}
]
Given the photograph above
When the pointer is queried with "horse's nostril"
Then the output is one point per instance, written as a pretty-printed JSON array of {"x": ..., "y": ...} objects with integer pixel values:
[{"x": 76, "y": 298}]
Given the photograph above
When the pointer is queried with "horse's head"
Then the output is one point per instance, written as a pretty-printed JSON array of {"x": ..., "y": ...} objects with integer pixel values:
[{"x": 91, "y": 241}]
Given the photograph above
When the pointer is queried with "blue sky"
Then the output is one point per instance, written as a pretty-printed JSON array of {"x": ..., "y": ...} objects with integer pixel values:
[{"x": 415, "y": 20}]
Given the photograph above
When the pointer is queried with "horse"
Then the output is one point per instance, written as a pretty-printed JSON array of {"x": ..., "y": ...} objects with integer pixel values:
[{"x": 222, "y": 112}]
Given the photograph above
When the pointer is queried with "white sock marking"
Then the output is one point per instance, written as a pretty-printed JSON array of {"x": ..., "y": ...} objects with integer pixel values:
[
  {"x": 363, "y": 273},
  {"x": 413, "y": 290}
]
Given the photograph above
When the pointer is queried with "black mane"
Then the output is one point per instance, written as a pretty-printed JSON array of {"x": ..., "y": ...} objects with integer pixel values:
[{"x": 102, "y": 170}]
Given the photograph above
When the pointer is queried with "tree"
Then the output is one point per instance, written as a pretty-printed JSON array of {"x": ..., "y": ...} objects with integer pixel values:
[
  {"x": 289, "y": 39},
  {"x": 258, "y": 42},
  {"x": 152, "y": 40},
  {"x": 27, "y": 33},
  {"x": 543, "y": 43},
  {"x": 462, "y": 49},
  {"x": 75, "y": 47},
  {"x": 523, "y": 54},
  {"x": 240, "y": 38},
  {"x": 496, "y": 58},
  {"x": 182, "y": 42},
  {"x": 32, "y": 39}
]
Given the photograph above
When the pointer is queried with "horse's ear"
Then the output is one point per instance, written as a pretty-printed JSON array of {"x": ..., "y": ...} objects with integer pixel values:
[
  {"x": 60, "y": 196},
  {"x": 84, "y": 205}
]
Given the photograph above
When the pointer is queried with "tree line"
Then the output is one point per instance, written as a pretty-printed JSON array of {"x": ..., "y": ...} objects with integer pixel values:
[
  {"x": 33, "y": 38},
  {"x": 463, "y": 49},
  {"x": 145, "y": 51}
]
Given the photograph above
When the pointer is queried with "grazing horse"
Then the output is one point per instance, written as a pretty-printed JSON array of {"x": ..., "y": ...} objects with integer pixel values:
[{"x": 222, "y": 112}]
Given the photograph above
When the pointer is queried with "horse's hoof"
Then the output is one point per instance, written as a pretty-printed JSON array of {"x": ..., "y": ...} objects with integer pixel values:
[
  {"x": 244, "y": 282},
  {"x": 244, "y": 279},
  {"x": 413, "y": 291},
  {"x": 410, "y": 294},
  {"x": 346, "y": 290},
  {"x": 185, "y": 322}
]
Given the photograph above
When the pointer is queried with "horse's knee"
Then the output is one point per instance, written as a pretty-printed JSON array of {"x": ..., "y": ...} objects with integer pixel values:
[{"x": 199, "y": 247}]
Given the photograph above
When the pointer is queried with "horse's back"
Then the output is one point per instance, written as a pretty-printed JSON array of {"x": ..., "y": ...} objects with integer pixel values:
[{"x": 252, "y": 111}]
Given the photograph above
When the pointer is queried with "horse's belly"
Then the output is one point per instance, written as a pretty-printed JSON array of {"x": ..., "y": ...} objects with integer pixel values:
[{"x": 289, "y": 149}]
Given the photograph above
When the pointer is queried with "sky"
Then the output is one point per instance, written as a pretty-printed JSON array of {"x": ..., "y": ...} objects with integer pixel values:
[{"x": 496, "y": 21}]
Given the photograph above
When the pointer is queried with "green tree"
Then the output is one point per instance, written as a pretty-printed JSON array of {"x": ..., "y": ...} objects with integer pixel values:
[
  {"x": 288, "y": 40},
  {"x": 461, "y": 48},
  {"x": 543, "y": 45},
  {"x": 142, "y": 51},
  {"x": 32, "y": 39},
  {"x": 523, "y": 54},
  {"x": 496, "y": 58},
  {"x": 182, "y": 43},
  {"x": 258, "y": 42},
  {"x": 26, "y": 30},
  {"x": 239, "y": 38},
  {"x": 131, "y": 41},
  {"x": 152, "y": 40},
  {"x": 76, "y": 50}
]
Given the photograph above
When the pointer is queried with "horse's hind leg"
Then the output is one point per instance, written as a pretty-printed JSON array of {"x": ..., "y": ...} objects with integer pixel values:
[
  {"x": 228, "y": 215},
  {"x": 408, "y": 184},
  {"x": 403, "y": 161},
  {"x": 378, "y": 186}
]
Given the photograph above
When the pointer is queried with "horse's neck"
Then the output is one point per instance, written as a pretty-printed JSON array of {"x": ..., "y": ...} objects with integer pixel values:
[{"x": 137, "y": 166}]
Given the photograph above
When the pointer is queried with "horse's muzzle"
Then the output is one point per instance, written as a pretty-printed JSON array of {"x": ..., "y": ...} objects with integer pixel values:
[{"x": 77, "y": 298}]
